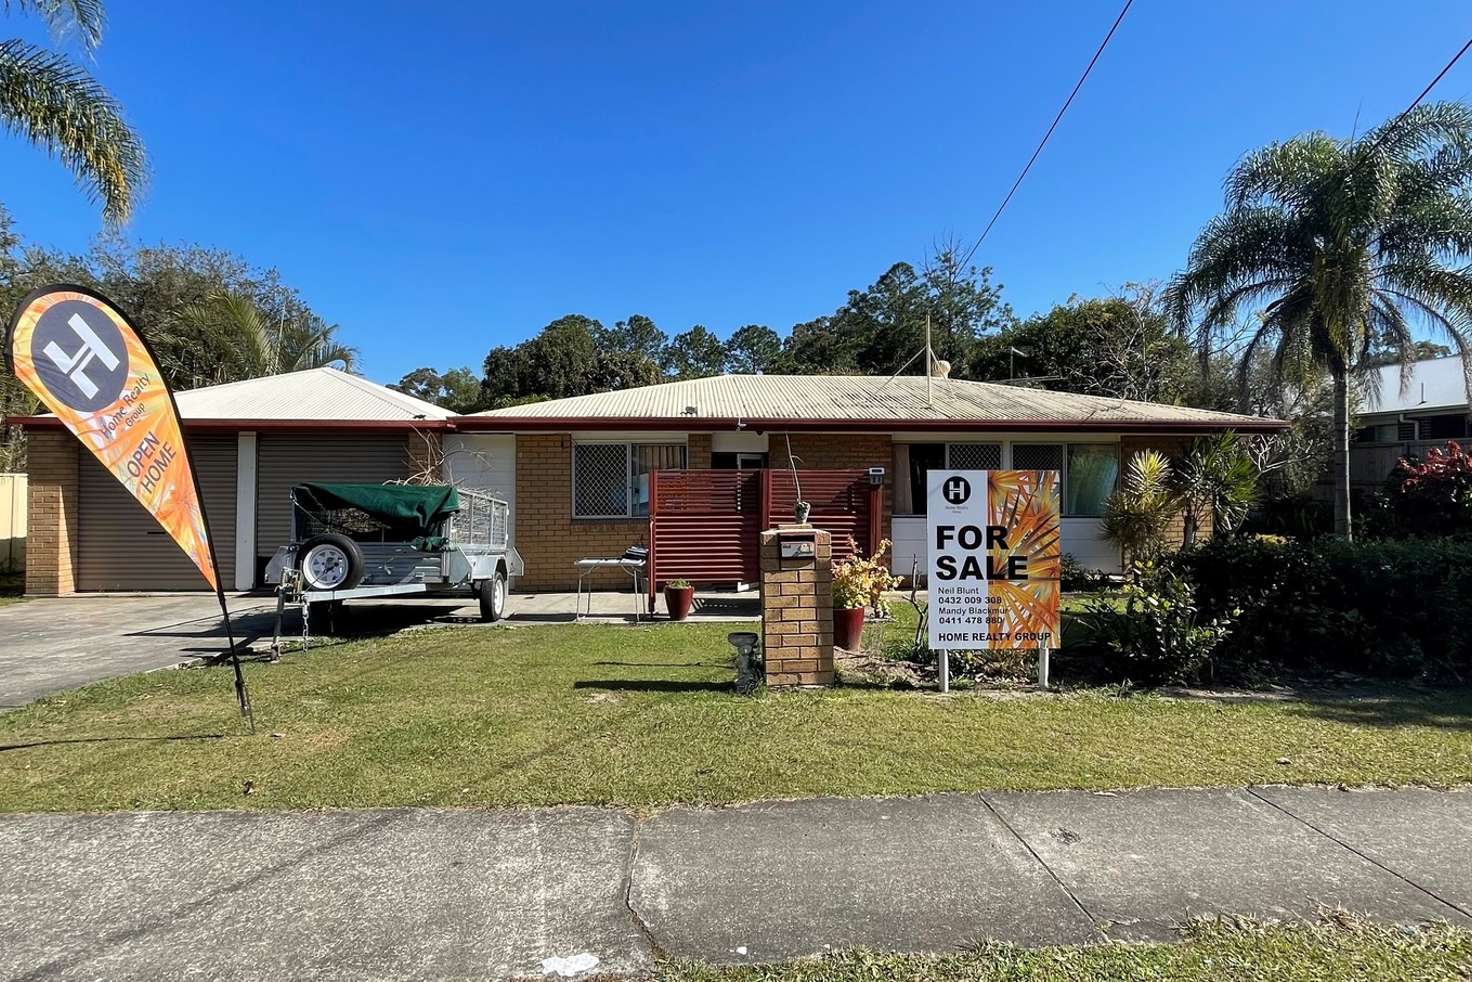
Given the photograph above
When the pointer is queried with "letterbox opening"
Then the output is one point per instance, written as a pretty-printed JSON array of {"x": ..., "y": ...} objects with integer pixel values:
[{"x": 796, "y": 545}]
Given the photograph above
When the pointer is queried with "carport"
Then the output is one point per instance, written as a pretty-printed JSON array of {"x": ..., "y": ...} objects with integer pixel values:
[{"x": 250, "y": 442}]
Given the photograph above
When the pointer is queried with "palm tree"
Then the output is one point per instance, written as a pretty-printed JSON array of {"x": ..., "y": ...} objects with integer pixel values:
[
  {"x": 1217, "y": 477},
  {"x": 252, "y": 346},
  {"x": 60, "y": 108},
  {"x": 1340, "y": 247}
]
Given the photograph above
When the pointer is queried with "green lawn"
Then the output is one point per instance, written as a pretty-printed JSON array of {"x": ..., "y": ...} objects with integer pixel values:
[
  {"x": 12, "y": 588},
  {"x": 1212, "y": 952},
  {"x": 644, "y": 717}
]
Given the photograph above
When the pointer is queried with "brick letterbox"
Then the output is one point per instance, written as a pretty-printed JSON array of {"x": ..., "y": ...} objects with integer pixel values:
[{"x": 797, "y": 605}]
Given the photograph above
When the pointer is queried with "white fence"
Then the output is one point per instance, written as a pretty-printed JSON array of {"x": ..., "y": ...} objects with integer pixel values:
[{"x": 12, "y": 522}]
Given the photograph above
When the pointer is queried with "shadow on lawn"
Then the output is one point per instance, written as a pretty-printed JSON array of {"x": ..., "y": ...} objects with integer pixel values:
[
  {"x": 652, "y": 685},
  {"x": 1450, "y": 709},
  {"x": 108, "y": 739}
]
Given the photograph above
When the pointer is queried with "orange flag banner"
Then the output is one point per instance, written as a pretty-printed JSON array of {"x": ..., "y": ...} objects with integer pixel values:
[{"x": 89, "y": 366}]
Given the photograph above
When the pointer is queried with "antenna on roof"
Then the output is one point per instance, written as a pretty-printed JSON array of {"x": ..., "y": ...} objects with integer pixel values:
[{"x": 929, "y": 366}]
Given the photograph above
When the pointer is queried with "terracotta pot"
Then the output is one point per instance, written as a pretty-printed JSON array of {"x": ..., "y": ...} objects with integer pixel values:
[
  {"x": 848, "y": 627},
  {"x": 678, "y": 600}
]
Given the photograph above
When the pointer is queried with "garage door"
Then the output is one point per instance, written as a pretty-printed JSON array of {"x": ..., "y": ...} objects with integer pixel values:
[
  {"x": 121, "y": 547},
  {"x": 286, "y": 460}
]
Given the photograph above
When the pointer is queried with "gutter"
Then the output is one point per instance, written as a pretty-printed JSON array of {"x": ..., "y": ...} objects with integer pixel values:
[
  {"x": 502, "y": 424},
  {"x": 293, "y": 425}
]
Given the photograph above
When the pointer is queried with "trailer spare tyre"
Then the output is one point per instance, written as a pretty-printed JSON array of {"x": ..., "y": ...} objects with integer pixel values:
[{"x": 330, "y": 562}]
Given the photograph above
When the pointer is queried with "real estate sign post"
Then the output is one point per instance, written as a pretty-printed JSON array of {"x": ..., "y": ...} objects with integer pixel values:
[
  {"x": 82, "y": 358},
  {"x": 993, "y": 539}
]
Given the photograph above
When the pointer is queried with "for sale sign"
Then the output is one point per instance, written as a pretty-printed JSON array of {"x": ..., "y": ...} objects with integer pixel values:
[{"x": 994, "y": 556}]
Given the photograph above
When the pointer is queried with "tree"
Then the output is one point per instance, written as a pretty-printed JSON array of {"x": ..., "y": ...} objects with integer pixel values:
[
  {"x": 753, "y": 348},
  {"x": 1217, "y": 477},
  {"x": 248, "y": 345},
  {"x": 457, "y": 390},
  {"x": 1339, "y": 247},
  {"x": 637, "y": 335},
  {"x": 697, "y": 353},
  {"x": 1121, "y": 346},
  {"x": 878, "y": 330},
  {"x": 57, "y": 106}
]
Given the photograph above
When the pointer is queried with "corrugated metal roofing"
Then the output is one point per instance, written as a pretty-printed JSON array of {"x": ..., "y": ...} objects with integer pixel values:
[
  {"x": 847, "y": 398},
  {"x": 316, "y": 394}
]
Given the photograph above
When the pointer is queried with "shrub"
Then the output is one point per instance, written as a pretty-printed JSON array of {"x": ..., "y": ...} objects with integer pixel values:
[
  {"x": 1433, "y": 496},
  {"x": 1394, "y": 608},
  {"x": 862, "y": 582},
  {"x": 1075, "y": 577},
  {"x": 1159, "y": 636}
]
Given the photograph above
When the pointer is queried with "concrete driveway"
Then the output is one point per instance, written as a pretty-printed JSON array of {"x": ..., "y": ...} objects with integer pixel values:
[{"x": 51, "y": 644}]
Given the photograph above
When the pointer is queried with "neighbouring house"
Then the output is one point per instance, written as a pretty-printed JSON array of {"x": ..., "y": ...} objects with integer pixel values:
[
  {"x": 250, "y": 442},
  {"x": 583, "y": 464},
  {"x": 583, "y": 474},
  {"x": 1405, "y": 415}
]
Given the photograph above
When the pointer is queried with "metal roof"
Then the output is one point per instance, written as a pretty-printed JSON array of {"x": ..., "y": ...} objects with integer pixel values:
[
  {"x": 313, "y": 395},
  {"x": 308, "y": 399},
  {"x": 1435, "y": 383},
  {"x": 857, "y": 399}
]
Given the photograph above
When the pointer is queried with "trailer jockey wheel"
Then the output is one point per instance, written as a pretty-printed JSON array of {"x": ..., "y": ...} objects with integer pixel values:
[
  {"x": 493, "y": 598},
  {"x": 330, "y": 562}
]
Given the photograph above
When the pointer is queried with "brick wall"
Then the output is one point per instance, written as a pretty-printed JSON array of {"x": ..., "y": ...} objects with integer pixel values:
[
  {"x": 797, "y": 613},
  {"x": 840, "y": 451},
  {"x": 547, "y": 536},
  {"x": 1173, "y": 447},
  {"x": 697, "y": 451},
  {"x": 51, "y": 546}
]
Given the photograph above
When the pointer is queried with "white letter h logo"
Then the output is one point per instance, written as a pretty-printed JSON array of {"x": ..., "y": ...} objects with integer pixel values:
[{"x": 74, "y": 365}]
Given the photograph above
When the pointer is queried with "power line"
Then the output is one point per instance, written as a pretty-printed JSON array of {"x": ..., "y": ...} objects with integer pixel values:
[
  {"x": 1385, "y": 133},
  {"x": 1056, "y": 119}
]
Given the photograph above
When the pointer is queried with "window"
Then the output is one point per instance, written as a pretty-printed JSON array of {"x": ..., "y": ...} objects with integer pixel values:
[
  {"x": 648, "y": 458},
  {"x": 974, "y": 456},
  {"x": 1089, "y": 480},
  {"x": 611, "y": 480},
  {"x": 1037, "y": 456},
  {"x": 914, "y": 461}
]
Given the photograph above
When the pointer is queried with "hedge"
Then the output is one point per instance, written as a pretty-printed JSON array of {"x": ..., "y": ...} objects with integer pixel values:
[{"x": 1394, "y": 608}]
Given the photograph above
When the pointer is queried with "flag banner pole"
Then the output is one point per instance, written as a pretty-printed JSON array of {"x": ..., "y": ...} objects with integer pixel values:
[{"x": 92, "y": 367}]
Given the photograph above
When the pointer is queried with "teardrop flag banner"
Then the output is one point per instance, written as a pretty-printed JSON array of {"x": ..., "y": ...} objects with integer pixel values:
[{"x": 83, "y": 359}]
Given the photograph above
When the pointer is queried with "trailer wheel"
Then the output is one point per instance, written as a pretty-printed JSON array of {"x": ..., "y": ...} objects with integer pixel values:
[
  {"x": 493, "y": 598},
  {"x": 330, "y": 562}
]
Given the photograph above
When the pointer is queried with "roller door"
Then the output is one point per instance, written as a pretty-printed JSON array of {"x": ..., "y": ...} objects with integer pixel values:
[
  {"x": 121, "y": 547},
  {"x": 289, "y": 459}
]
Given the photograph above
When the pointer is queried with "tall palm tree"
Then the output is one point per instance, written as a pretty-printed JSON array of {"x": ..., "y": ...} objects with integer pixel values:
[
  {"x": 1338, "y": 247},
  {"x": 252, "y": 346},
  {"x": 60, "y": 108}
]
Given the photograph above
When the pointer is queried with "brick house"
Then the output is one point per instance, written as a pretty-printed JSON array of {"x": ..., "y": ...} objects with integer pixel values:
[
  {"x": 581, "y": 465},
  {"x": 577, "y": 471}
]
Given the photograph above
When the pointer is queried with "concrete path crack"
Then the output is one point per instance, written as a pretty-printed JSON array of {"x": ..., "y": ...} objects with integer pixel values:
[{"x": 470, "y": 892}]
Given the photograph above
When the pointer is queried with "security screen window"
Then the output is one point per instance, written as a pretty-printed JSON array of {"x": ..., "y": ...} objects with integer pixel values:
[
  {"x": 1037, "y": 456},
  {"x": 611, "y": 480}
]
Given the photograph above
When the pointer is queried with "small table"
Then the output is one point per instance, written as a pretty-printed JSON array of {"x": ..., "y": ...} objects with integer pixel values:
[{"x": 587, "y": 567}]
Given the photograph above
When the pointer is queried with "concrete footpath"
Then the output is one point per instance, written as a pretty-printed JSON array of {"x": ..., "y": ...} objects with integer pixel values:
[{"x": 467, "y": 893}]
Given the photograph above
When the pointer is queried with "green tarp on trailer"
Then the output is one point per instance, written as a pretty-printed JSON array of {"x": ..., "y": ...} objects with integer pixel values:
[{"x": 409, "y": 511}]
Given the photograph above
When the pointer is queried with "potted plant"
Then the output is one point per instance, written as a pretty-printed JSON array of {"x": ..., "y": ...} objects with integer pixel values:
[
  {"x": 858, "y": 582},
  {"x": 679, "y": 597}
]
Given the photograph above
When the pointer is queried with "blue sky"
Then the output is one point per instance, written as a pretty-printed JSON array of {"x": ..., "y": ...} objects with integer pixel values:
[{"x": 443, "y": 178}]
